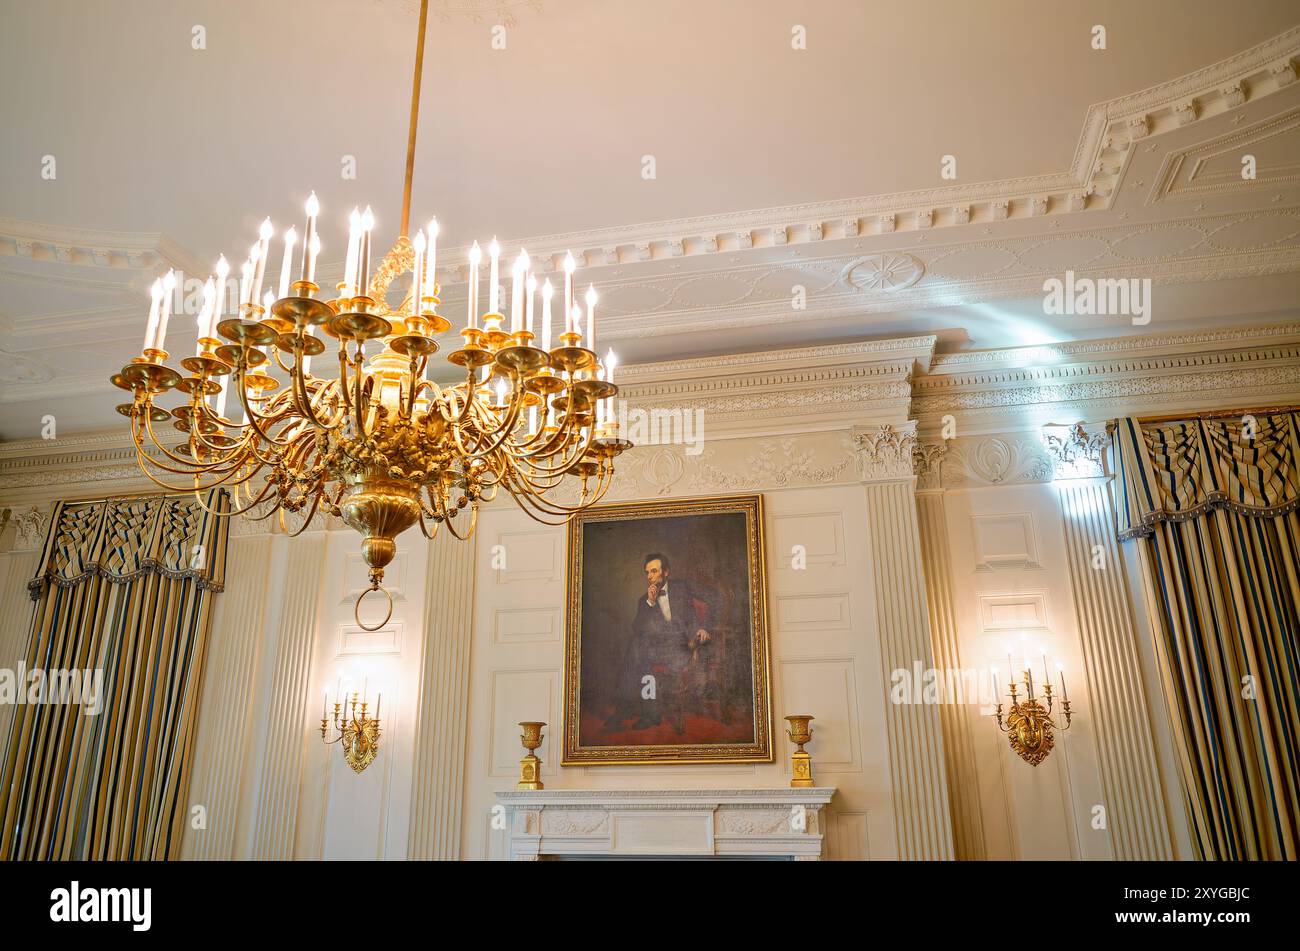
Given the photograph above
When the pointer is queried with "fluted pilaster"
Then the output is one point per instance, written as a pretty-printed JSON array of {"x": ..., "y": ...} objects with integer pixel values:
[
  {"x": 285, "y": 722},
  {"x": 1136, "y": 816},
  {"x": 225, "y": 715},
  {"x": 16, "y": 569},
  {"x": 959, "y": 750},
  {"x": 916, "y": 748},
  {"x": 438, "y": 782}
]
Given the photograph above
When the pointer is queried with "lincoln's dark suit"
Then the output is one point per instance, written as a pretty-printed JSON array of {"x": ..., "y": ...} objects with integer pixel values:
[{"x": 664, "y": 649}]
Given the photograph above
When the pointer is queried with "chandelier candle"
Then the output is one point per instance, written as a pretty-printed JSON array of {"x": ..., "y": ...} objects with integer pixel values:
[
  {"x": 290, "y": 238},
  {"x": 417, "y": 272},
  {"x": 308, "y": 272},
  {"x": 223, "y": 269},
  {"x": 168, "y": 286},
  {"x": 569, "y": 266},
  {"x": 263, "y": 250},
  {"x": 155, "y": 308},
  {"x": 475, "y": 255},
  {"x": 591, "y": 317},
  {"x": 494, "y": 277},
  {"x": 431, "y": 265},
  {"x": 354, "y": 247},
  {"x": 547, "y": 292},
  {"x": 517, "y": 292},
  {"x": 379, "y": 444},
  {"x": 367, "y": 225},
  {"x": 531, "y": 288}
]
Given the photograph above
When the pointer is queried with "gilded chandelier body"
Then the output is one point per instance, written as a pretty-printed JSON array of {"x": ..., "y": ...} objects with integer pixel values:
[{"x": 380, "y": 445}]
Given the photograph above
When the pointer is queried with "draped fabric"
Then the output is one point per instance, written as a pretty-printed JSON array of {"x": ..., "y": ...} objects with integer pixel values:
[
  {"x": 1212, "y": 507},
  {"x": 123, "y": 596}
]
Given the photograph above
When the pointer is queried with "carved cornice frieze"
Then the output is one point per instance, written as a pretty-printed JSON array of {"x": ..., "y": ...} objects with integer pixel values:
[
  {"x": 1191, "y": 381},
  {"x": 996, "y": 460},
  {"x": 799, "y": 461}
]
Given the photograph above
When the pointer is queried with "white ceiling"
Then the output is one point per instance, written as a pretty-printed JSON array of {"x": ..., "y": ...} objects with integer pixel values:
[{"x": 168, "y": 155}]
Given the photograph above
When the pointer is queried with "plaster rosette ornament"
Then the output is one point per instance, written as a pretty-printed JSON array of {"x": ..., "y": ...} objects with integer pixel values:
[{"x": 363, "y": 433}]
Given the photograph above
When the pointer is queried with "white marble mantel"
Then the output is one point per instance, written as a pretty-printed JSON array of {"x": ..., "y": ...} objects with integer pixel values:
[{"x": 665, "y": 822}]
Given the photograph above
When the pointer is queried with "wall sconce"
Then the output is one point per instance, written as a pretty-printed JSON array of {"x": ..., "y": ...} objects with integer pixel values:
[
  {"x": 1029, "y": 725},
  {"x": 357, "y": 734}
]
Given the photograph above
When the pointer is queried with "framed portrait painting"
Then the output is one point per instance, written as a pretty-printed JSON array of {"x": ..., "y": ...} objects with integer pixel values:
[{"x": 666, "y": 642}]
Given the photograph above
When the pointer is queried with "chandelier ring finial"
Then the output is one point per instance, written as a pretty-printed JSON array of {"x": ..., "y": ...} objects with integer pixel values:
[{"x": 356, "y": 609}]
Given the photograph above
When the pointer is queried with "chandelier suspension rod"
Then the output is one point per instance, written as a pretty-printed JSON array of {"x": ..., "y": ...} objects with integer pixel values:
[{"x": 415, "y": 118}]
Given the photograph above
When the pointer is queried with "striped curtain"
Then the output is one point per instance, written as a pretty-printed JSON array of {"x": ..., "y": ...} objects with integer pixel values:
[
  {"x": 96, "y": 762},
  {"x": 1212, "y": 507}
]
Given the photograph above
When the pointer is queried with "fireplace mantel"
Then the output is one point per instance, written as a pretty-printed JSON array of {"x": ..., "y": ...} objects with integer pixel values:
[{"x": 666, "y": 822}]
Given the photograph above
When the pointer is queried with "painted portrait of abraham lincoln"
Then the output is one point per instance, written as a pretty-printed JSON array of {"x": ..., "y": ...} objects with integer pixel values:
[{"x": 666, "y": 642}]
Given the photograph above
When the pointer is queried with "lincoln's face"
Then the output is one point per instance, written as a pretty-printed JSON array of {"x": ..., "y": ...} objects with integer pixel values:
[{"x": 655, "y": 573}]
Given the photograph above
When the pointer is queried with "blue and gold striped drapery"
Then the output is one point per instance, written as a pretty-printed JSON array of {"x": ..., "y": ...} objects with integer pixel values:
[
  {"x": 123, "y": 588},
  {"x": 1211, "y": 505}
]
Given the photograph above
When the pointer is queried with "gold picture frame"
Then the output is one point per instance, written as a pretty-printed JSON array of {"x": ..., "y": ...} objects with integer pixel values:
[{"x": 701, "y": 714}]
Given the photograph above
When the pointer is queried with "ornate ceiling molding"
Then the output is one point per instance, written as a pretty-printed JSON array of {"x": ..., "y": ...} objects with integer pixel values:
[
  {"x": 1100, "y": 381},
  {"x": 1135, "y": 345},
  {"x": 1102, "y": 150},
  {"x": 86, "y": 247}
]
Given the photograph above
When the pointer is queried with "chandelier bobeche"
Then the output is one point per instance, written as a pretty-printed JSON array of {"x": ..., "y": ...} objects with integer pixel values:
[{"x": 382, "y": 446}]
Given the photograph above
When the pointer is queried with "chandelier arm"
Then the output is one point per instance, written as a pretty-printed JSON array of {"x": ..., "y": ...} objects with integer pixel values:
[
  {"x": 142, "y": 456},
  {"x": 588, "y": 498},
  {"x": 198, "y": 497},
  {"x": 473, "y": 523},
  {"x": 415, "y": 373},
  {"x": 342, "y": 382},
  {"x": 255, "y": 419},
  {"x": 540, "y": 513},
  {"x": 306, "y": 521},
  {"x": 561, "y": 464},
  {"x": 270, "y": 416},
  {"x": 424, "y": 528},
  {"x": 358, "y": 407},
  {"x": 191, "y": 465},
  {"x": 501, "y": 433},
  {"x": 436, "y": 511},
  {"x": 573, "y": 451},
  {"x": 305, "y": 402},
  {"x": 464, "y": 413},
  {"x": 527, "y": 498}
]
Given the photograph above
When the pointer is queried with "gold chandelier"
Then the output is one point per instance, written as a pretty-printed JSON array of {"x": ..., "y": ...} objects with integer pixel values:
[{"x": 381, "y": 446}]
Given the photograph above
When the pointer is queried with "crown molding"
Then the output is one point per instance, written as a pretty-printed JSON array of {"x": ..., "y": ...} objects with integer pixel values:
[
  {"x": 799, "y": 405},
  {"x": 919, "y": 349},
  {"x": 1133, "y": 345},
  {"x": 65, "y": 244}
]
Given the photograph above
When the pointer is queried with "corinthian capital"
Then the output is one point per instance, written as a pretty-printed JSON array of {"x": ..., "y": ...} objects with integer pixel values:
[{"x": 885, "y": 452}]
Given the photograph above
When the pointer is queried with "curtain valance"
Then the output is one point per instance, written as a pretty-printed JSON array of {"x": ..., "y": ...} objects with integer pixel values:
[
  {"x": 1179, "y": 470},
  {"x": 122, "y": 539}
]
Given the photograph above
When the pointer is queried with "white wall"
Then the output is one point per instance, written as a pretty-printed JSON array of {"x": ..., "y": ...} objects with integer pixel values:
[{"x": 825, "y": 660}]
